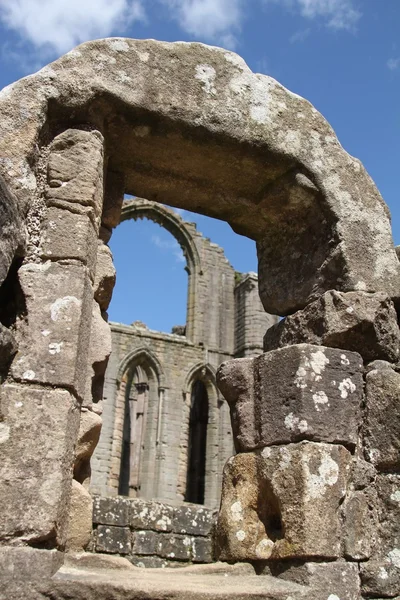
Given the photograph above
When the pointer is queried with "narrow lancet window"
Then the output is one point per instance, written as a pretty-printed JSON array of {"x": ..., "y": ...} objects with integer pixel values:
[{"x": 198, "y": 422}]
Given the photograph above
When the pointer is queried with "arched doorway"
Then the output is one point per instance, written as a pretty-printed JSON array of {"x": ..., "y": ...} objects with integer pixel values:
[{"x": 197, "y": 445}]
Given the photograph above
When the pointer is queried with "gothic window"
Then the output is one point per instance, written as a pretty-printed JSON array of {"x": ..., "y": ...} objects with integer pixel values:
[
  {"x": 133, "y": 443},
  {"x": 198, "y": 422}
]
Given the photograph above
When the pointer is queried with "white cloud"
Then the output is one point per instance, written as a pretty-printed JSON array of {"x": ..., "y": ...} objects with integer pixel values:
[
  {"x": 338, "y": 14},
  {"x": 169, "y": 246},
  {"x": 59, "y": 25},
  {"x": 393, "y": 63},
  {"x": 300, "y": 36},
  {"x": 210, "y": 20}
]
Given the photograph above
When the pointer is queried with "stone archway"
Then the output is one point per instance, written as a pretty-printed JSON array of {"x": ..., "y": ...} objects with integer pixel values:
[{"x": 193, "y": 126}]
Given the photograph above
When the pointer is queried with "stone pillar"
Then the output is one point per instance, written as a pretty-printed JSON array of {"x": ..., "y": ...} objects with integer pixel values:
[
  {"x": 315, "y": 421},
  {"x": 51, "y": 376}
]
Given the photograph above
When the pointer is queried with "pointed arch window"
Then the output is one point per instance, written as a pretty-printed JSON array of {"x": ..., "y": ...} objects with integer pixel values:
[{"x": 197, "y": 445}]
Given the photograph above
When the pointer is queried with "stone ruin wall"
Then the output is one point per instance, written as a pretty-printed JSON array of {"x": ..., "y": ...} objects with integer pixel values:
[
  {"x": 231, "y": 325},
  {"x": 313, "y": 494}
]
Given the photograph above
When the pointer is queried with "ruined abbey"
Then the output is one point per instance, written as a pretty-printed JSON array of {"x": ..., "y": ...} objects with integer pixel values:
[{"x": 260, "y": 456}]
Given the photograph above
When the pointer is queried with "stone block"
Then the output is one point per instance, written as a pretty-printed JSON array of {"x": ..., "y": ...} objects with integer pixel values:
[
  {"x": 111, "y": 511},
  {"x": 381, "y": 427},
  {"x": 104, "y": 280},
  {"x": 202, "y": 550},
  {"x": 79, "y": 529},
  {"x": 388, "y": 490},
  {"x": 75, "y": 172},
  {"x": 149, "y": 562},
  {"x": 38, "y": 431},
  {"x": 360, "y": 524},
  {"x": 294, "y": 393},
  {"x": 323, "y": 580},
  {"x": 175, "y": 547},
  {"x": 381, "y": 578},
  {"x": 283, "y": 502},
  {"x": 88, "y": 436},
  {"x": 113, "y": 540},
  {"x": 24, "y": 563},
  {"x": 193, "y": 520},
  {"x": 12, "y": 232},
  {"x": 357, "y": 321},
  {"x": 67, "y": 235},
  {"x": 146, "y": 542},
  {"x": 54, "y": 339},
  {"x": 151, "y": 515}
]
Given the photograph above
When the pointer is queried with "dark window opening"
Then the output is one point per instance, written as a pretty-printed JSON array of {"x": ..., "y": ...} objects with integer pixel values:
[{"x": 198, "y": 422}]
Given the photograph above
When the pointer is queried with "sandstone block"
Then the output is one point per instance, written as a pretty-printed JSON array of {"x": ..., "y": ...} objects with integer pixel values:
[
  {"x": 202, "y": 550},
  {"x": 381, "y": 578},
  {"x": 113, "y": 540},
  {"x": 38, "y": 433},
  {"x": 381, "y": 427},
  {"x": 79, "y": 528},
  {"x": 88, "y": 436},
  {"x": 146, "y": 542},
  {"x": 175, "y": 547},
  {"x": 54, "y": 341},
  {"x": 68, "y": 235},
  {"x": 75, "y": 172},
  {"x": 149, "y": 562},
  {"x": 294, "y": 393},
  {"x": 323, "y": 580},
  {"x": 360, "y": 524},
  {"x": 151, "y": 515},
  {"x": 24, "y": 563},
  {"x": 355, "y": 321},
  {"x": 111, "y": 511},
  {"x": 283, "y": 502},
  {"x": 105, "y": 276},
  {"x": 193, "y": 520}
]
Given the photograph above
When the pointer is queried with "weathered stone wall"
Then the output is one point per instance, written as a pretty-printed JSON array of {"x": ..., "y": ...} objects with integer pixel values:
[{"x": 151, "y": 534}]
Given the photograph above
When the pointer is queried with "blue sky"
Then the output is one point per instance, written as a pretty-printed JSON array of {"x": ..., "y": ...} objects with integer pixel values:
[{"x": 342, "y": 55}]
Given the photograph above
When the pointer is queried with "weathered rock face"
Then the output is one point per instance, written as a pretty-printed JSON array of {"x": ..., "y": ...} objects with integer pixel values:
[
  {"x": 49, "y": 419},
  {"x": 294, "y": 393},
  {"x": 283, "y": 502},
  {"x": 88, "y": 436},
  {"x": 330, "y": 231},
  {"x": 381, "y": 425},
  {"x": 356, "y": 321},
  {"x": 11, "y": 229}
]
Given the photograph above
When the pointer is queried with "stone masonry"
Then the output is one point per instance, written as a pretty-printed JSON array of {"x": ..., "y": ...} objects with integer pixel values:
[
  {"x": 310, "y": 502},
  {"x": 229, "y": 327}
]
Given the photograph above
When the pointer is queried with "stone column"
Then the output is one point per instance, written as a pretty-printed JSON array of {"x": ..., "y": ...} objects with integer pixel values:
[
  {"x": 51, "y": 376},
  {"x": 315, "y": 421}
]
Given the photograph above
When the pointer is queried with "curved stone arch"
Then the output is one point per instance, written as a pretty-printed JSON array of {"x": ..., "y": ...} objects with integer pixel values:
[
  {"x": 140, "y": 208},
  {"x": 139, "y": 356},
  {"x": 205, "y": 372},
  {"x": 211, "y": 136}
]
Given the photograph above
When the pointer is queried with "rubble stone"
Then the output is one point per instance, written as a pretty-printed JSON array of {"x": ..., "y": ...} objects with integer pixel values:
[
  {"x": 79, "y": 528},
  {"x": 360, "y": 523},
  {"x": 294, "y": 393},
  {"x": 355, "y": 321},
  {"x": 283, "y": 502},
  {"x": 8, "y": 346}
]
